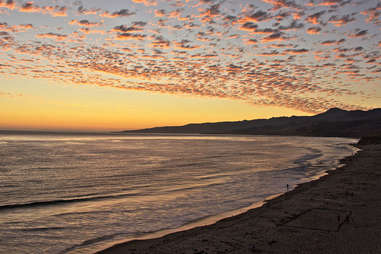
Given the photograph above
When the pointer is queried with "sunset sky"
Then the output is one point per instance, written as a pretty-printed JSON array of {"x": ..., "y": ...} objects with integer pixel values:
[{"x": 127, "y": 64}]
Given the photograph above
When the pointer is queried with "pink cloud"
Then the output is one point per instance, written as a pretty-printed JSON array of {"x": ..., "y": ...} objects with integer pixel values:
[
  {"x": 315, "y": 18},
  {"x": 54, "y": 36},
  {"x": 116, "y": 14},
  {"x": 340, "y": 21},
  {"x": 359, "y": 34},
  {"x": 296, "y": 51},
  {"x": 273, "y": 37},
  {"x": 9, "y": 4},
  {"x": 85, "y": 22},
  {"x": 314, "y": 30},
  {"x": 146, "y": 2},
  {"x": 330, "y": 2},
  {"x": 129, "y": 36}
]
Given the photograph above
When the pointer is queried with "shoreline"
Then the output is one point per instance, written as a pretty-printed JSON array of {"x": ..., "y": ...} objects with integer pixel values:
[
  {"x": 275, "y": 226},
  {"x": 203, "y": 222},
  {"x": 210, "y": 220}
]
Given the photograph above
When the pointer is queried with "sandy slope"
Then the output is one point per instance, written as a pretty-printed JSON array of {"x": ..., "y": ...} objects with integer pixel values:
[{"x": 339, "y": 213}]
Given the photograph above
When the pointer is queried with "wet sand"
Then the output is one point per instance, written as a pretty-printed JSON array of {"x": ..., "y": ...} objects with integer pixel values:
[{"x": 338, "y": 213}]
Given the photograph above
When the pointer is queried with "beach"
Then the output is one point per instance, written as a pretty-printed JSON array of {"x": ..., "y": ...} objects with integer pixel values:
[{"x": 338, "y": 213}]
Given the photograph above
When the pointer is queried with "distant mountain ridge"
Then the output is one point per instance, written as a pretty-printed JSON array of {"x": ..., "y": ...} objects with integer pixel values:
[{"x": 334, "y": 122}]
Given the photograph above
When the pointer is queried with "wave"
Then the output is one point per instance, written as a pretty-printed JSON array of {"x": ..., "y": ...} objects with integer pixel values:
[
  {"x": 73, "y": 143},
  {"x": 41, "y": 229},
  {"x": 306, "y": 158},
  {"x": 90, "y": 242},
  {"x": 64, "y": 201}
]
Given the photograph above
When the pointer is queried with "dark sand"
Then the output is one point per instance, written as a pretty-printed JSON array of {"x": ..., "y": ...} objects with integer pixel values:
[{"x": 339, "y": 213}]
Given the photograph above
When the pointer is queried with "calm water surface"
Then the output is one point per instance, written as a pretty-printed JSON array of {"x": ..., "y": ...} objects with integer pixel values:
[{"x": 77, "y": 194}]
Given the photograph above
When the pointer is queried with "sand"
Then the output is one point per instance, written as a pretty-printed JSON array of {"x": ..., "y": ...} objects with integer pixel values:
[{"x": 338, "y": 213}]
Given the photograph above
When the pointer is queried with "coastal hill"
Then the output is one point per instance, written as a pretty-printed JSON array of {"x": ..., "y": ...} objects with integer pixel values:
[{"x": 333, "y": 123}]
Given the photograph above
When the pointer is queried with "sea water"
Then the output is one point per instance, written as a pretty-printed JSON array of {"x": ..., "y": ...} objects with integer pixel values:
[{"x": 80, "y": 193}]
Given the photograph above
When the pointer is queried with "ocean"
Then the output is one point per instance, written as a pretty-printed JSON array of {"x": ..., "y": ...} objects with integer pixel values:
[{"x": 82, "y": 193}]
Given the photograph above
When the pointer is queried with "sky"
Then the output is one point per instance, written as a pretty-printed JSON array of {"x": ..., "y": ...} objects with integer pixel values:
[{"x": 130, "y": 64}]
